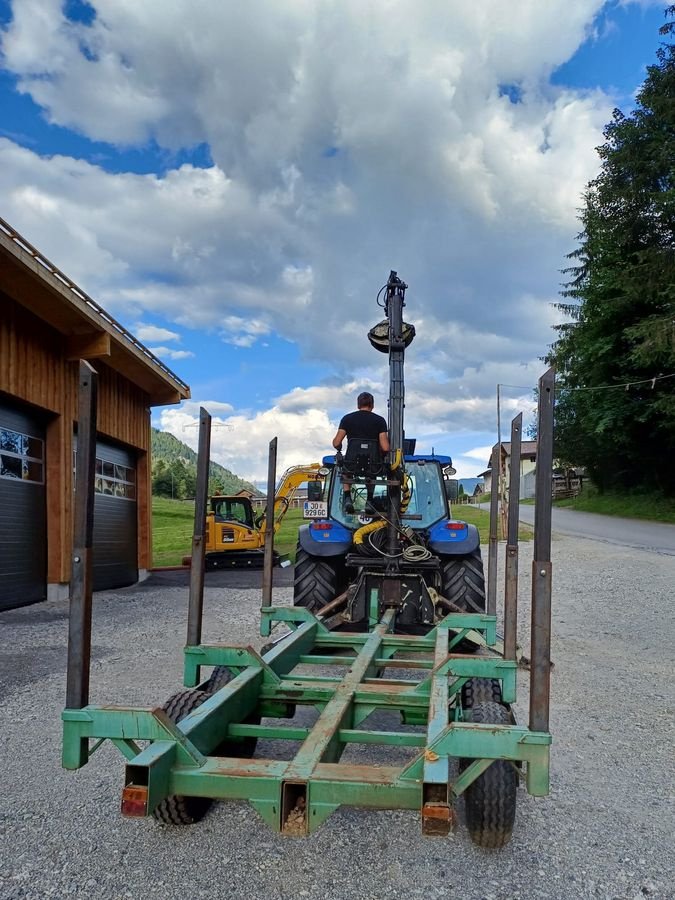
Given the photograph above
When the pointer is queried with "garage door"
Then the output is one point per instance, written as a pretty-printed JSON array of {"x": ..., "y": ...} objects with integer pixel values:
[
  {"x": 23, "y": 529},
  {"x": 115, "y": 562}
]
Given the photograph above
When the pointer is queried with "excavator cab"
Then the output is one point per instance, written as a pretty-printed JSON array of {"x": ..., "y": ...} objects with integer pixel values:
[{"x": 233, "y": 509}]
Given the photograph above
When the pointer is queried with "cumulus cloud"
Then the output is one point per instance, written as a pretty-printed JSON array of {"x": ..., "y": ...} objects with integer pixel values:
[
  {"x": 170, "y": 353},
  {"x": 153, "y": 333},
  {"x": 347, "y": 138}
]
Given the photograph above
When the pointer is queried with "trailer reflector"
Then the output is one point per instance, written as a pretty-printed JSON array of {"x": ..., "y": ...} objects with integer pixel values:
[{"x": 135, "y": 801}]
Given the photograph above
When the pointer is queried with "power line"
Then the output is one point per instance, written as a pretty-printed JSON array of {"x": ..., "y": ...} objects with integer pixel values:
[{"x": 601, "y": 387}]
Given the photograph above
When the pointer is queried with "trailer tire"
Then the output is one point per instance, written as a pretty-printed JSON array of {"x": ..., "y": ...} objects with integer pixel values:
[
  {"x": 244, "y": 748},
  {"x": 481, "y": 690},
  {"x": 220, "y": 676},
  {"x": 490, "y": 801},
  {"x": 464, "y": 582},
  {"x": 315, "y": 581},
  {"x": 176, "y": 809}
]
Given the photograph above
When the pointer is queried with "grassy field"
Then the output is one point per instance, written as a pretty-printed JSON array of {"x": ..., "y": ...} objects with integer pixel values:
[
  {"x": 172, "y": 523},
  {"x": 654, "y": 507}
]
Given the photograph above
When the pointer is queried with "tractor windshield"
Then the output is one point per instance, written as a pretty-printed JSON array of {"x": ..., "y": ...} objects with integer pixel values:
[{"x": 427, "y": 505}]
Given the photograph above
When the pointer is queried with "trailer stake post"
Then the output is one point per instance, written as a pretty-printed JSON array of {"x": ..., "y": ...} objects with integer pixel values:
[
  {"x": 511, "y": 587},
  {"x": 79, "y": 623},
  {"x": 196, "y": 601},
  {"x": 270, "y": 525},
  {"x": 540, "y": 668},
  {"x": 495, "y": 463}
]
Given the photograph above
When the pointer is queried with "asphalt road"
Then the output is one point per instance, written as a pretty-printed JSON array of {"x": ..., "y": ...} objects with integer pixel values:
[{"x": 656, "y": 536}]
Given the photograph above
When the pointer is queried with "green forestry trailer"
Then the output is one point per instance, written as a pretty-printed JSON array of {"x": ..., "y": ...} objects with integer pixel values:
[{"x": 390, "y": 615}]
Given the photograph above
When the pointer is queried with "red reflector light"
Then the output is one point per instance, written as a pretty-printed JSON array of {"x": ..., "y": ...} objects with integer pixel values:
[
  {"x": 456, "y": 526},
  {"x": 134, "y": 801},
  {"x": 321, "y": 526}
]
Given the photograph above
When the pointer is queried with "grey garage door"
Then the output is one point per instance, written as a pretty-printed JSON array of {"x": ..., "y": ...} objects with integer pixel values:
[
  {"x": 115, "y": 561},
  {"x": 23, "y": 529}
]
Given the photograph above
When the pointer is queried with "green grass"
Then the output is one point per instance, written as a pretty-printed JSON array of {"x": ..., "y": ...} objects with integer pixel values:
[
  {"x": 172, "y": 525},
  {"x": 173, "y": 520},
  {"x": 654, "y": 507},
  {"x": 481, "y": 519}
]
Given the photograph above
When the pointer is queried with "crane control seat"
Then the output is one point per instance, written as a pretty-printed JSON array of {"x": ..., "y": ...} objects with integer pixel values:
[{"x": 363, "y": 460}]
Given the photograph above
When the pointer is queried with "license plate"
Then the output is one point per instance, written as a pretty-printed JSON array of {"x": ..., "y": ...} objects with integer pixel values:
[{"x": 315, "y": 509}]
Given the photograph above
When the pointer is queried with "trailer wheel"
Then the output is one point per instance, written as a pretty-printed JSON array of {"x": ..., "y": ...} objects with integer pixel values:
[
  {"x": 490, "y": 802},
  {"x": 220, "y": 676},
  {"x": 244, "y": 748},
  {"x": 464, "y": 582},
  {"x": 316, "y": 580},
  {"x": 176, "y": 809},
  {"x": 481, "y": 690}
]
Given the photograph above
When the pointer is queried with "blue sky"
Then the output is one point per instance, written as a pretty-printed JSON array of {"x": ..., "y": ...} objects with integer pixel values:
[{"x": 234, "y": 184}]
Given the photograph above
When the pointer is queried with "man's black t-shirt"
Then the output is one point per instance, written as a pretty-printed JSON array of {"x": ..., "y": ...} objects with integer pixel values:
[{"x": 363, "y": 424}]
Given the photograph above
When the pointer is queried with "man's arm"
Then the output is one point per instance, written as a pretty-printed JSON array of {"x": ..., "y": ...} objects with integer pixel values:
[
  {"x": 384, "y": 441},
  {"x": 340, "y": 435}
]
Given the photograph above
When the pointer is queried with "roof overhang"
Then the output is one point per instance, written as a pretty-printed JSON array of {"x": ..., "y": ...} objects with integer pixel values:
[{"x": 89, "y": 331}]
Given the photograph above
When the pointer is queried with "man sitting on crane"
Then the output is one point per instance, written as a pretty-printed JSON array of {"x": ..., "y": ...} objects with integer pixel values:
[{"x": 365, "y": 431}]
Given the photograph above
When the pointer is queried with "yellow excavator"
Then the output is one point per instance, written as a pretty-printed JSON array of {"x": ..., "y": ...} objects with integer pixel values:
[{"x": 235, "y": 536}]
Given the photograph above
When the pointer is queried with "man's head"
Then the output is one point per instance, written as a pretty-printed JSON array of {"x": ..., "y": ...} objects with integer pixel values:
[{"x": 365, "y": 400}]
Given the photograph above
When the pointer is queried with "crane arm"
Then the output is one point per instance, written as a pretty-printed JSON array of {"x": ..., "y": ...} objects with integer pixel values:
[{"x": 287, "y": 488}]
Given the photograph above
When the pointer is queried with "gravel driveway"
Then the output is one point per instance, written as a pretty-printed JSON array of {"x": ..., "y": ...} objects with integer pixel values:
[{"x": 606, "y": 830}]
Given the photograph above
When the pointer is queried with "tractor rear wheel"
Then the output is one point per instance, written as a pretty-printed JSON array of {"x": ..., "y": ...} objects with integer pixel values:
[
  {"x": 490, "y": 801},
  {"x": 176, "y": 809},
  {"x": 316, "y": 581},
  {"x": 464, "y": 582}
]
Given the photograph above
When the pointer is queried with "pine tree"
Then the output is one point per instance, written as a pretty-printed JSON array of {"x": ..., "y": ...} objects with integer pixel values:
[{"x": 621, "y": 301}]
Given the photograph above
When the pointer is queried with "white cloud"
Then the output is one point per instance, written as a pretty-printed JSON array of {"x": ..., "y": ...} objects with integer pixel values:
[
  {"x": 348, "y": 138},
  {"x": 169, "y": 353},
  {"x": 153, "y": 333}
]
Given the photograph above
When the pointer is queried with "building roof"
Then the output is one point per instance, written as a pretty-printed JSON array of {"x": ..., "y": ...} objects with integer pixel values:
[
  {"x": 527, "y": 448},
  {"x": 90, "y": 332}
]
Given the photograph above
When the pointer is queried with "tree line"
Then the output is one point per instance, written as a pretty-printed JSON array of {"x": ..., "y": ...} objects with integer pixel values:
[
  {"x": 174, "y": 470},
  {"x": 615, "y": 356}
]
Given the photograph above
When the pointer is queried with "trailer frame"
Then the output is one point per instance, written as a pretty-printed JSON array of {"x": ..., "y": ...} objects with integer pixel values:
[{"x": 181, "y": 757}]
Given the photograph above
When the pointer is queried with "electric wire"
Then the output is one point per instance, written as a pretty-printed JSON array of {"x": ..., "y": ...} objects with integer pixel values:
[{"x": 600, "y": 387}]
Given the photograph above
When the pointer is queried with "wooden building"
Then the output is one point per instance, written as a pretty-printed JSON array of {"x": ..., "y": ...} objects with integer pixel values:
[{"x": 47, "y": 324}]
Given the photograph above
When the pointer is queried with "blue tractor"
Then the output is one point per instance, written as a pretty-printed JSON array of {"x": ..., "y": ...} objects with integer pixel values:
[{"x": 393, "y": 543}]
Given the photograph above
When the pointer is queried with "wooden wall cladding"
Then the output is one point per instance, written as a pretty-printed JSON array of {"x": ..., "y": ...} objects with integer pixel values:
[
  {"x": 32, "y": 364},
  {"x": 33, "y": 368}
]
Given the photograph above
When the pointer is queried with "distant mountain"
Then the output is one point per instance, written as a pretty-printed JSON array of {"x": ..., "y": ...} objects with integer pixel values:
[{"x": 174, "y": 470}]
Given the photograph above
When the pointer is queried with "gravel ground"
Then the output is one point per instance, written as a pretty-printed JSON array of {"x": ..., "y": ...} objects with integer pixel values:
[{"x": 606, "y": 830}]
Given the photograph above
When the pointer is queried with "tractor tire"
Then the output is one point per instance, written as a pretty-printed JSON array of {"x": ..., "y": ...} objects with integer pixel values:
[
  {"x": 463, "y": 582},
  {"x": 490, "y": 802},
  {"x": 176, "y": 809},
  {"x": 481, "y": 690},
  {"x": 316, "y": 580}
]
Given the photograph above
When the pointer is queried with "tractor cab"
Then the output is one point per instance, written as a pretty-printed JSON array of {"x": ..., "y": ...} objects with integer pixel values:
[{"x": 427, "y": 480}]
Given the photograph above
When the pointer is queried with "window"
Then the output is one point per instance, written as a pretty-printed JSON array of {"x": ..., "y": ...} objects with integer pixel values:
[
  {"x": 112, "y": 479},
  {"x": 115, "y": 480},
  {"x": 21, "y": 456}
]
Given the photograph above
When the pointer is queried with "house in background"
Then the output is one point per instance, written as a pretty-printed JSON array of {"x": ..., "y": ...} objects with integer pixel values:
[
  {"x": 47, "y": 324},
  {"x": 527, "y": 464}
]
